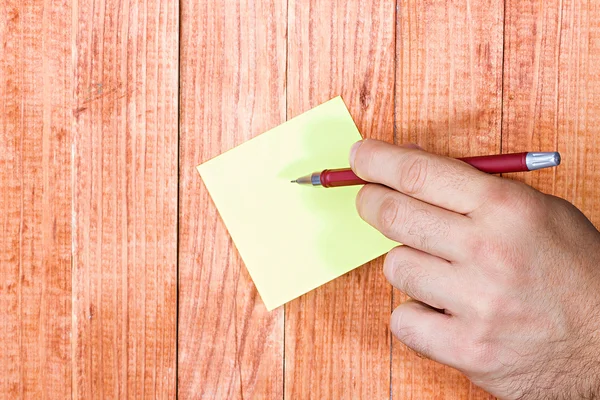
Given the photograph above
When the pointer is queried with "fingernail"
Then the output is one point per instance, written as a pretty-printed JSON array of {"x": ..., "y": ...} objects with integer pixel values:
[
  {"x": 411, "y": 146},
  {"x": 353, "y": 150}
]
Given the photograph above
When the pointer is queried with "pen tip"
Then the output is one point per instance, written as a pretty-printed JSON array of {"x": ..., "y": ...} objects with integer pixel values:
[{"x": 294, "y": 181}]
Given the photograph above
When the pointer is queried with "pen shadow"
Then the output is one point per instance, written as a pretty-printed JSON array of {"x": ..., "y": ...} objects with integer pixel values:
[
  {"x": 329, "y": 308},
  {"x": 317, "y": 151},
  {"x": 331, "y": 205}
]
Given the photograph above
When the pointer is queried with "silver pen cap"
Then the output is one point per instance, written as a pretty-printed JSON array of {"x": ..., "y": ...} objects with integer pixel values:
[{"x": 542, "y": 160}]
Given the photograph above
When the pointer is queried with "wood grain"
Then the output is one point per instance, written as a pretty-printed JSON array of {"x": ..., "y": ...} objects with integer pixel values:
[
  {"x": 232, "y": 88},
  {"x": 337, "y": 342},
  {"x": 552, "y": 95},
  {"x": 125, "y": 199},
  {"x": 91, "y": 214},
  {"x": 35, "y": 200},
  {"x": 448, "y": 100}
]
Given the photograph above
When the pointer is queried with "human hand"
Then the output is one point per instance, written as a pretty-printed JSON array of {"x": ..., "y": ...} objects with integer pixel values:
[{"x": 505, "y": 279}]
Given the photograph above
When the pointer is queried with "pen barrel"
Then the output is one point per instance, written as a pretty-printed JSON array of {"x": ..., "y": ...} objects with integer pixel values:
[
  {"x": 498, "y": 164},
  {"x": 340, "y": 177}
]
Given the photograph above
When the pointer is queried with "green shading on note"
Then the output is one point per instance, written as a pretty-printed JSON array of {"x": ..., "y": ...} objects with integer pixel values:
[{"x": 293, "y": 238}]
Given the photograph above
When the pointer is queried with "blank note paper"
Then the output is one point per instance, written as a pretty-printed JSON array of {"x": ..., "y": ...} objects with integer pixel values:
[{"x": 293, "y": 238}]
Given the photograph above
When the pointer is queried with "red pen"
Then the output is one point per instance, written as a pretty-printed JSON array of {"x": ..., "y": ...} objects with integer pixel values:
[{"x": 494, "y": 164}]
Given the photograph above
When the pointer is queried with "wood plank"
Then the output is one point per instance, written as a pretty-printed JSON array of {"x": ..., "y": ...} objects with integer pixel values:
[
  {"x": 35, "y": 199},
  {"x": 552, "y": 95},
  {"x": 337, "y": 341},
  {"x": 232, "y": 88},
  {"x": 125, "y": 199},
  {"x": 448, "y": 100}
]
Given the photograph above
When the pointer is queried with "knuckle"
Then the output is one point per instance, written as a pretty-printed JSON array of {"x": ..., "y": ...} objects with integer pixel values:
[
  {"x": 480, "y": 247},
  {"x": 413, "y": 174},
  {"x": 526, "y": 205},
  {"x": 426, "y": 228},
  {"x": 477, "y": 356},
  {"x": 497, "y": 258},
  {"x": 480, "y": 349},
  {"x": 476, "y": 353},
  {"x": 498, "y": 193},
  {"x": 488, "y": 307},
  {"x": 535, "y": 210},
  {"x": 454, "y": 175},
  {"x": 388, "y": 214},
  {"x": 473, "y": 246}
]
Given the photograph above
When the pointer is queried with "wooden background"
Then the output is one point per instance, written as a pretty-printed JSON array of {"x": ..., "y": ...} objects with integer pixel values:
[{"x": 117, "y": 276}]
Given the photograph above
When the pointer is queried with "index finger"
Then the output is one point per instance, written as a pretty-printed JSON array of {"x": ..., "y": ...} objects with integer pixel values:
[{"x": 441, "y": 181}]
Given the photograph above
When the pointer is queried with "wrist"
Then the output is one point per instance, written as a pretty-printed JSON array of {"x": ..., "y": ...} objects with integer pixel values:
[
  {"x": 585, "y": 371},
  {"x": 574, "y": 372}
]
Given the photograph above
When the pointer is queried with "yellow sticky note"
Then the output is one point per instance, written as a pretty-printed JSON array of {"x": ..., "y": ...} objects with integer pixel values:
[{"x": 293, "y": 238}]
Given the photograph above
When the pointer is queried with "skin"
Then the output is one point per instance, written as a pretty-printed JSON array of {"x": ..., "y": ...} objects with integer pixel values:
[{"x": 504, "y": 280}]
